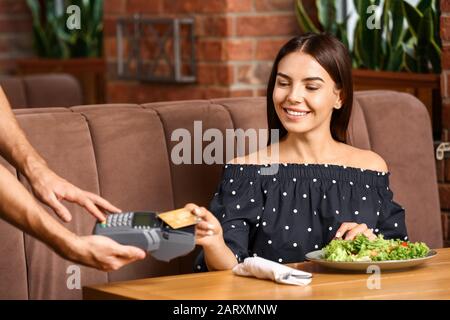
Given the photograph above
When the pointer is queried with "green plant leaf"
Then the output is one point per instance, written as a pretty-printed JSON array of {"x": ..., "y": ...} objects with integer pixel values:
[
  {"x": 424, "y": 5},
  {"x": 303, "y": 19},
  {"x": 367, "y": 40},
  {"x": 409, "y": 62},
  {"x": 396, "y": 11},
  {"x": 326, "y": 13},
  {"x": 434, "y": 55},
  {"x": 341, "y": 34},
  {"x": 413, "y": 16},
  {"x": 395, "y": 59},
  {"x": 53, "y": 39}
]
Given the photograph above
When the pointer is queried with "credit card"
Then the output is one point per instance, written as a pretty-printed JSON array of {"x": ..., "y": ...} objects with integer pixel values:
[{"x": 178, "y": 218}]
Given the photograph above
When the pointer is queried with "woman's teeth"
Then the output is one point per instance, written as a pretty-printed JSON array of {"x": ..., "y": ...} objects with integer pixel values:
[{"x": 296, "y": 113}]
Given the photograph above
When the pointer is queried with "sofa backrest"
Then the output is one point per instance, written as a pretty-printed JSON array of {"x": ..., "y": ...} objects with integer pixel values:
[
  {"x": 42, "y": 90},
  {"x": 122, "y": 152}
]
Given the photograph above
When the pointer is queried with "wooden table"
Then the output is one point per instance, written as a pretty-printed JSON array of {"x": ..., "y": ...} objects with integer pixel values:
[{"x": 429, "y": 281}]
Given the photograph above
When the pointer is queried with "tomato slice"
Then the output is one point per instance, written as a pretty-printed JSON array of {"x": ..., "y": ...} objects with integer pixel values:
[{"x": 404, "y": 244}]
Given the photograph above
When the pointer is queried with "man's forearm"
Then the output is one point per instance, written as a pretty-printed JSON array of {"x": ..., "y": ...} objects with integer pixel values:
[
  {"x": 18, "y": 207},
  {"x": 14, "y": 145}
]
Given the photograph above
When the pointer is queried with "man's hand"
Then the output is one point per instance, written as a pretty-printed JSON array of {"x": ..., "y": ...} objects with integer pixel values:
[
  {"x": 51, "y": 188},
  {"x": 102, "y": 253}
]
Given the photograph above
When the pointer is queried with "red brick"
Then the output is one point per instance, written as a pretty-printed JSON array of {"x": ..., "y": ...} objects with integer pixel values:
[
  {"x": 172, "y": 92},
  {"x": 274, "y": 5},
  {"x": 441, "y": 164},
  {"x": 241, "y": 93},
  {"x": 254, "y": 73},
  {"x": 239, "y": 50},
  {"x": 210, "y": 50},
  {"x": 133, "y": 92},
  {"x": 239, "y": 5},
  {"x": 113, "y": 7},
  {"x": 261, "y": 92},
  {"x": 268, "y": 49},
  {"x": 16, "y": 43},
  {"x": 144, "y": 6},
  {"x": 13, "y": 7},
  {"x": 215, "y": 92},
  {"x": 446, "y": 116},
  {"x": 120, "y": 91},
  {"x": 447, "y": 170},
  {"x": 214, "y": 26},
  {"x": 446, "y": 93},
  {"x": 194, "y": 6},
  {"x": 149, "y": 48},
  {"x": 440, "y": 170},
  {"x": 444, "y": 195},
  {"x": 445, "y": 28},
  {"x": 15, "y": 25},
  {"x": 270, "y": 25},
  {"x": 445, "y": 57},
  {"x": 110, "y": 47},
  {"x": 215, "y": 74},
  {"x": 109, "y": 26},
  {"x": 7, "y": 66},
  {"x": 445, "y": 5}
]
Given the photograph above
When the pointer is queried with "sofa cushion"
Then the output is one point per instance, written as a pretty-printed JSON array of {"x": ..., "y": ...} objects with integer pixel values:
[
  {"x": 123, "y": 152},
  {"x": 357, "y": 134},
  {"x": 14, "y": 89},
  {"x": 52, "y": 90},
  {"x": 13, "y": 269},
  {"x": 64, "y": 141},
  {"x": 42, "y": 90},
  {"x": 400, "y": 131},
  {"x": 192, "y": 182},
  {"x": 133, "y": 170}
]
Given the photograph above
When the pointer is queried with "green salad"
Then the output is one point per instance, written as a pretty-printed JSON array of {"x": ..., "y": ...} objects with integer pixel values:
[{"x": 363, "y": 249}]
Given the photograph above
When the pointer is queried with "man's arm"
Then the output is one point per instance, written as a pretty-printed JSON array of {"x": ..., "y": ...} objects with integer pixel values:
[
  {"x": 47, "y": 185},
  {"x": 14, "y": 145},
  {"x": 19, "y": 208}
]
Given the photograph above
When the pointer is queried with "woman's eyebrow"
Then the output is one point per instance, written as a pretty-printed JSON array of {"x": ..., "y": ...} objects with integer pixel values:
[
  {"x": 304, "y": 79},
  {"x": 313, "y": 78},
  {"x": 283, "y": 75}
]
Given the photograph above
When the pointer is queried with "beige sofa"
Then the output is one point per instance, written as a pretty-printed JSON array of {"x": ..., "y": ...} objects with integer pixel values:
[{"x": 122, "y": 152}]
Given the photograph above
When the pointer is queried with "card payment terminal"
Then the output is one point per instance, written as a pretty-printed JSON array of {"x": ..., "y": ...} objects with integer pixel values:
[{"x": 146, "y": 231}]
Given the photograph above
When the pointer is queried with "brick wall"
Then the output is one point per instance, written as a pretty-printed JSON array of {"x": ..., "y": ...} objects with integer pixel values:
[
  {"x": 15, "y": 33},
  {"x": 236, "y": 41},
  {"x": 444, "y": 166}
]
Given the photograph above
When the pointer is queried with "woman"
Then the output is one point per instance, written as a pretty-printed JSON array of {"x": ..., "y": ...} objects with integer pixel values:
[{"x": 324, "y": 188}]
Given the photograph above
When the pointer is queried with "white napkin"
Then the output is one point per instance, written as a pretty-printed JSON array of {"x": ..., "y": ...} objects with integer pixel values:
[{"x": 266, "y": 269}]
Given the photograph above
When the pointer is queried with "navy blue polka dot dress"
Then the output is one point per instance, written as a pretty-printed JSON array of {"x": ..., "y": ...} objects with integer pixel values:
[{"x": 285, "y": 215}]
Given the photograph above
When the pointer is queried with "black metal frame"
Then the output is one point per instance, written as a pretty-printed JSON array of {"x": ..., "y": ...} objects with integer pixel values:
[{"x": 172, "y": 32}]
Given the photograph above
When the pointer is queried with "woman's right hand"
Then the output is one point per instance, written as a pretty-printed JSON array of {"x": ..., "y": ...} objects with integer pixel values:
[{"x": 208, "y": 231}]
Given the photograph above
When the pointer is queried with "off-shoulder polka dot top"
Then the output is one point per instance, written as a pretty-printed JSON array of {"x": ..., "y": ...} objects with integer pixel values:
[{"x": 283, "y": 214}]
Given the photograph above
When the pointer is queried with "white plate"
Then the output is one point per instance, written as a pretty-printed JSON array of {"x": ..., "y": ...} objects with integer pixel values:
[{"x": 317, "y": 257}]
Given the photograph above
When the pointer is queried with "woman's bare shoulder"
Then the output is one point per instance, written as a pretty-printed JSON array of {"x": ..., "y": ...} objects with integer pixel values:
[
  {"x": 258, "y": 157},
  {"x": 367, "y": 159}
]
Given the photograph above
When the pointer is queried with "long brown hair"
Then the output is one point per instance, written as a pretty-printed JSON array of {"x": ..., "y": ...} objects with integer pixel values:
[{"x": 333, "y": 56}]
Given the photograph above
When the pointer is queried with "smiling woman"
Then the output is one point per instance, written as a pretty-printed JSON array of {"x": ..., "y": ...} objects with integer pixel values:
[
  {"x": 323, "y": 189},
  {"x": 313, "y": 70}
]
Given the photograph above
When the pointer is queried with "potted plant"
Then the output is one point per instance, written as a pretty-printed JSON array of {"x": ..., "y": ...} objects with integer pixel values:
[
  {"x": 68, "y": 38},
  {"x": 399, "y": 50}
]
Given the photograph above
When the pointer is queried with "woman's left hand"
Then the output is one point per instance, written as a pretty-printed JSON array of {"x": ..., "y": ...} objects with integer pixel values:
[{"x": 352, "y": 229}]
